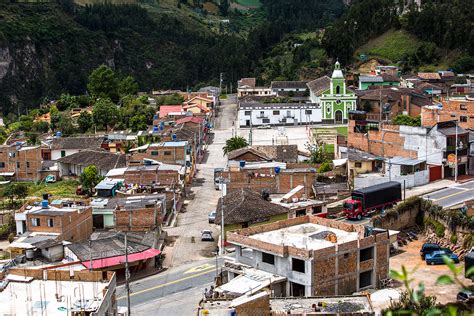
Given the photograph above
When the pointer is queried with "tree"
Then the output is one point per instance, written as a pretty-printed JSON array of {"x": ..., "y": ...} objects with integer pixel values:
[
  {"x": 234, "y": 143},
  {"x": 104, "y": 113},
  {"x": 65, "y": 125},
  {"x": 224, "y": 7},
  {"x": 317, "y": 152},
  {"x": 67, "y": 101},
  {"x": 16, "y": 190},
  {"x": 85, "y": 121},
  {"x": 41, "y": 127},
  {"x": 137, "y": 123},
  {"x": 128, "y": 86},
  {"x": 90, "y": 178},
  {"x": 55, "y": 116},
  {"x": 103, "y": 83}
]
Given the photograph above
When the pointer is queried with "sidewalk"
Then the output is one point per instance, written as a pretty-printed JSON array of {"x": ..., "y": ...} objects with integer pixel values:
[{"x": 430, "y": 187}]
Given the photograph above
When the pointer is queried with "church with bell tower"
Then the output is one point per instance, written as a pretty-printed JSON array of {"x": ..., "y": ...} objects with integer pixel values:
[{"x": 333, "y": 96}]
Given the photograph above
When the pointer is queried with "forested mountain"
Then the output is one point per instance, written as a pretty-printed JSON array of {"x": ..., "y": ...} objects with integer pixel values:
[{"x": 50, "y": 48}]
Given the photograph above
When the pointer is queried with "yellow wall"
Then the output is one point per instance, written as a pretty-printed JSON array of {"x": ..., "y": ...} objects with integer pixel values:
[{"x": 366, "y": 167}]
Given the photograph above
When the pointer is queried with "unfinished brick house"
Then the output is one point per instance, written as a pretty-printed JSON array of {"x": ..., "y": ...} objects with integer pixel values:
[
  {"x": 460, "y": 109},
  {"x": 139, "y": 213},
  {"x": 69, "y": 223},
  {"x": 429, "y": 144},
  {"x": 280, "y": 153},
  {"x": 317, "y": 256},
  {"x": 20, "y": 163},
  {"x": 260, "y": 176},
  {"x": 174, "y": 152}
]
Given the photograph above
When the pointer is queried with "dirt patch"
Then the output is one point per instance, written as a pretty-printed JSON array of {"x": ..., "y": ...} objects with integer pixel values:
[{"x": 409, "y": 256}]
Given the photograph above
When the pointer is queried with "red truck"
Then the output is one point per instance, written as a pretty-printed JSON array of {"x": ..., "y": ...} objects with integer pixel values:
[{"x": 372, "y": 199}]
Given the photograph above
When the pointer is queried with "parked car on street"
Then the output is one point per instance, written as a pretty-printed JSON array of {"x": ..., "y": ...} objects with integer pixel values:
[
  {"x": 465, "y": 295},
  {"x": 436, "y": 257},
  {"x": 206, "y": 235},
  {"x": 264, "y": 126},
  {"x": 212, "y": 217},
  {"x": 428, "y": 248}
]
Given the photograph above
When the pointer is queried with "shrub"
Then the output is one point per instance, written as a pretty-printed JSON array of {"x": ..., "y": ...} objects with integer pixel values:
[
  {"x": 325, "y": 167},
  {"x": 11, "y": 237},
  {"x": 436, "y": 226},
  {"x": 453, "y": 239}
]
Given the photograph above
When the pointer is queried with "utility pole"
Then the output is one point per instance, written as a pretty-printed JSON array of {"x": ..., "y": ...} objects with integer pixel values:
[
  {"x": 220, "y": 82},
  {"x": 456, "y": 153},
  {"x": 223, "y": 188},
  {"x": 127, "y": 276}
]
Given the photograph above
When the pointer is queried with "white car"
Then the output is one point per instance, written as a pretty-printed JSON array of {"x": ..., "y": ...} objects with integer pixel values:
[{"x": 264, "y": 126}]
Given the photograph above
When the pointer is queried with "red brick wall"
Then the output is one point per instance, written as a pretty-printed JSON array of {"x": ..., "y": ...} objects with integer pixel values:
[
  {"x": 29, "y": 162},
  {"x": 430, "y": 117},
  {"x": 372, "y": 141},
  {"x": 73, "y": 226},
  {"x": 147, "y": 177},
  {"x": 144, "y": 219}
]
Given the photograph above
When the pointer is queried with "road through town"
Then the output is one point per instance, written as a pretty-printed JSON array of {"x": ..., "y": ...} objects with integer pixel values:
[{"x": 190, "y": 261}]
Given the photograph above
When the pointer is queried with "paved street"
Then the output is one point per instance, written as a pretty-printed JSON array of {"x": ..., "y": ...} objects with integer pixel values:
[
  {"x": 176, "y": 291},
  {"x": 188, "y": 246},
  {"x": 453, "y": 195},
  {"x": 190, "y": 262}
]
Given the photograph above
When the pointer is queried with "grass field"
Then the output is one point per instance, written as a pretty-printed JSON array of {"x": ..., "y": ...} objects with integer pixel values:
[
  {"x": 392, "y": 45},
  {"x": 57, "y": 189}
]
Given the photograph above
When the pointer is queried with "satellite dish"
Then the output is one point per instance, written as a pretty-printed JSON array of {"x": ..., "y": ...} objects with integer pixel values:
[
  {"x": 174, "y": 137},
  {"x": 277, "y": 170},
  {"x": 242, "y": 163},
  {"x": 387, "y": 108}
]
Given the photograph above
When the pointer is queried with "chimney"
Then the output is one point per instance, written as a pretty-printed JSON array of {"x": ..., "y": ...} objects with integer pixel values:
[{"x": 45, "y": 202}]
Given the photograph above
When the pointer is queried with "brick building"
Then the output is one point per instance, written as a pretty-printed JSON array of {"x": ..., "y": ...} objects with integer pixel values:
[
  {"x": 431, "y": 145},
  {"x": 280, "y": 153},
  {"x": 139, "y": 213},
  {"x": 460, "y": 109},
  {"x": 174, "y": 152},
  {"x": 20, "y": 163},
  {"x": 401, "y": 101},
  {"x": 317, "y": 256},
  {"x": 260, "y": 176},
  {"x": 69, "y": 223}
]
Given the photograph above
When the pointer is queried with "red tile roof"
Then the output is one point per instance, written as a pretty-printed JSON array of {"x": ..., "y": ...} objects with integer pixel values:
[
  {"x": 166, "y": 109},
  {"x": 192, "y": 119}
]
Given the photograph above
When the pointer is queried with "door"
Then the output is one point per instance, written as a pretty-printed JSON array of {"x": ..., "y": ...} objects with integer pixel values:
[
  {"x": 247, "y": 123},
  {"x": 435, "y": 173},
  {"x": 338, "y": 117}
]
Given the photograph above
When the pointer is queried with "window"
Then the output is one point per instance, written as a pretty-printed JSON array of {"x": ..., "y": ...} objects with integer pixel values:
[
  {"x": 35, "y": 222},
  {"x": 154, "y": 153},
  {"x": 328, "y": 110},
  {"x": 365, "y": 279},
  {"x": 298, "y": 265},
  {"x": 167, "y": 153},
  {"x": 276, "y": 112},
  {"x": 338, "y": 90},
  {"x": 308, "y": 112},
  {"x": 358, "y": 164},
  {"x": 63, "y": 153},
  {"x": 366, "y": 254},
  {"x": 462, "y": 107},
  {"x": 247, "y": 113},
  {"x": 18, "y": 164},
  {"x": 27, "y": 164},
  {"x": 268, "y": 258},
  {"x": 338, "y": 101},
  {"x": 2, "y": 165},
  {"x": 50, "y": 222},
  {"x": 288, "y": 113},
  {"x": 265, "y": 121},
  {"x": 463, "y": 119},
  {"x": 300, "y": 213}
]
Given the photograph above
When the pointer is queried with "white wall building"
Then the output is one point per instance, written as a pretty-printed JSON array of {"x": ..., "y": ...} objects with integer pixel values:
[{"x": 257, "y": 114}]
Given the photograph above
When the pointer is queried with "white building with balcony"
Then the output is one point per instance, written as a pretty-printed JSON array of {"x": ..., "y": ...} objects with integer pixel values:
[{"x": 257, "y": 114}]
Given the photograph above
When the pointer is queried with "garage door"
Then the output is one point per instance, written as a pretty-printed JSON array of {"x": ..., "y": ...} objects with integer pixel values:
[{"x": 435, "y": 173}]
